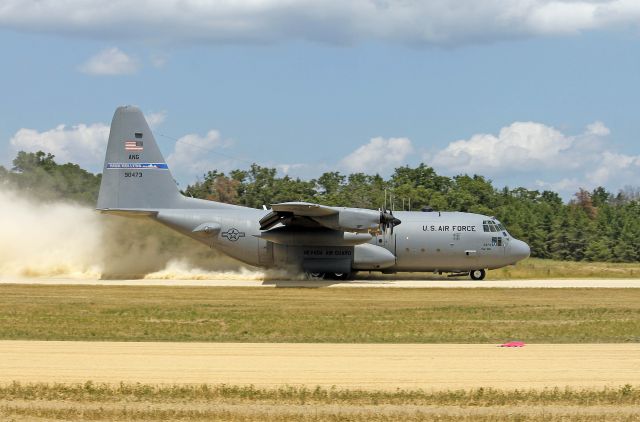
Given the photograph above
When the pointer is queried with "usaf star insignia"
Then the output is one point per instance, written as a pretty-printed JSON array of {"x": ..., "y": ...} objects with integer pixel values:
[{"x": 233, "y": 234}]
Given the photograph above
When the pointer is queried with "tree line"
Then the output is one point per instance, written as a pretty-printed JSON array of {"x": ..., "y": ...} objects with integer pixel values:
[{"x": 594, "y": 226}]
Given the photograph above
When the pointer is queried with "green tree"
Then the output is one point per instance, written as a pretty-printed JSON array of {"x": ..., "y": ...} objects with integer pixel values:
[{"x": 38, "y": 175}]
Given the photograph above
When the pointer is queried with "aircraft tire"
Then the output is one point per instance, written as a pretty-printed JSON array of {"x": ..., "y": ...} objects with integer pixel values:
[{"x": 477, "y": 274}]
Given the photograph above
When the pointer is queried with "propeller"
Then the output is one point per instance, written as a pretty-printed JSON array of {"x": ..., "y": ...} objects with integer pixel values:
[{"x": 387, "y": 220}]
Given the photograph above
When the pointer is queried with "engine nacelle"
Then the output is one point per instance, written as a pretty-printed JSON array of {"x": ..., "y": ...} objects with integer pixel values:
[
  {"x": 296, "y": 236},
  {"x": 372, "y": 257},
  {"x": 351, "y": 219}
]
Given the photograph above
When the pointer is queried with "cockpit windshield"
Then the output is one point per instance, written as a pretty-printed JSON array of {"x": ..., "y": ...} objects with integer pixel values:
[{"x": 492, "y": 226}]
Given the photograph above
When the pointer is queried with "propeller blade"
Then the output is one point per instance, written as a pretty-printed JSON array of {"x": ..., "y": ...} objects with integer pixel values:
[{"x": 388, "y": 221}]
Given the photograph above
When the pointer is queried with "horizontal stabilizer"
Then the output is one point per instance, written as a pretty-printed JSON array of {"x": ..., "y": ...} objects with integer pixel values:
[{"x": 129, "y": 212}]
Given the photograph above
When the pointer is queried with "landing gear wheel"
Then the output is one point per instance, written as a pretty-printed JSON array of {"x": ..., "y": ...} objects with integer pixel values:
[
  {"x": 316, "y": 276},
  {"x": 477, "y": 274}
]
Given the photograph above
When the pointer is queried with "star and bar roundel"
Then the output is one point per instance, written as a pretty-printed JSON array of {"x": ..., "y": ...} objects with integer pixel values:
[{"x": 233, "y": 234}]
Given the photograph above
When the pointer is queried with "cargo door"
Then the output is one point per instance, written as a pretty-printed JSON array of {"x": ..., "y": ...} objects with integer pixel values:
[{"x": 265, "y": 252}]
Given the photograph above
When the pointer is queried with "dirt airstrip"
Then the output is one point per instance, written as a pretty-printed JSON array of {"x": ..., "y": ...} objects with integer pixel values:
[
  {"x": 363, "y": 366},
  {"x": 236, "y": 280}
]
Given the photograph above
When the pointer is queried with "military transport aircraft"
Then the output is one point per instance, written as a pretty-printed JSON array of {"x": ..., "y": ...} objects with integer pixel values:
[{"x": 320, "y": 240}]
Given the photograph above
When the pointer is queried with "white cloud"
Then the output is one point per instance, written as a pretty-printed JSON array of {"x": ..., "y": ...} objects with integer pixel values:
[
  {"x": 286, "y": 169},
  {"x": 529, "y": 149},
  {"x": 156, "y": 119},
  {"x": 378, "y": 155},
  {"x": 190, "y": 151},
  {"x": 520, "y": 146},
  {"x": 615, "y": 166},
  {"x": 444, "y": 22},
  {"x": 86, "y": 144},
  {"x": 82, "y": 144},
  {"x": 564, "y": 185},
  {"x": 598, "y": 129},
  {"x": 111, "y": 61}
]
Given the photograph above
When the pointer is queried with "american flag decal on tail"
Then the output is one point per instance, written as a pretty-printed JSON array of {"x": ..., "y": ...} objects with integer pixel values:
[{"x": 133, "y": 146}]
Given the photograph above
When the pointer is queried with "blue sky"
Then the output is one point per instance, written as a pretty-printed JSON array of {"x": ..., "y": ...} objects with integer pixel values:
[{"x": 535, "y": 93}]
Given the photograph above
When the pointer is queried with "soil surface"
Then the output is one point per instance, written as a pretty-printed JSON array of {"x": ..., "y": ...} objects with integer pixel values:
[
  {"x": 362, "y": 366},
  {"x": 411, "y": 281}
]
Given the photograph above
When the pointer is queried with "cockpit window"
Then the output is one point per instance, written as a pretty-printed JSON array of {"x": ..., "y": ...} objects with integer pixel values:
[{"x": 492, "y": 226}]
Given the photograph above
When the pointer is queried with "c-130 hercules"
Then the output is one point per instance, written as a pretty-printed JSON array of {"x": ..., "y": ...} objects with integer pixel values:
[{"x": 320, "y": 240}]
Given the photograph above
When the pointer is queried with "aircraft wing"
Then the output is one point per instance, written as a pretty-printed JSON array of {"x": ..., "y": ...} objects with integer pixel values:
[
  {"x": 357, "y": 220},
  {"x": 305, "y": 209},
  {"x": 295, "y": 213}
]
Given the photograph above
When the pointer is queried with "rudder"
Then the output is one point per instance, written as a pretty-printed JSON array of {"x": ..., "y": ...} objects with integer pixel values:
[{"x": 135, "y": 175}]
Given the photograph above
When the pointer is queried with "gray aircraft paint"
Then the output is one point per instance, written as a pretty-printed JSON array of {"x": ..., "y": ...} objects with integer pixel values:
[{"x": 136, "y": 181}]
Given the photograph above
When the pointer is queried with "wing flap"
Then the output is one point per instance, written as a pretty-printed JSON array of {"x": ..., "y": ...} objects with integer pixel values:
[
  {"x": 274, "y": 218},
  {"x": 304, "y": 209}
]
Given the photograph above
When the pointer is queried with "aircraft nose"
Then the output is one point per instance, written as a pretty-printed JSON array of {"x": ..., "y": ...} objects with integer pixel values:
[{"x": 518, "y": 250}]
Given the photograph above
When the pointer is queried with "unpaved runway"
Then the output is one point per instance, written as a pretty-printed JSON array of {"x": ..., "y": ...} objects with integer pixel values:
[
  {"x": 229, "y": 282},
  {"x": 369, "y": 366}
]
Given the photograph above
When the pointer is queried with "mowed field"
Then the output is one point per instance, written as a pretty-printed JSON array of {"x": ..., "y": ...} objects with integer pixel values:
[
  {"x": 293, "y": 315},
  {"x": 588, "y": 381}
]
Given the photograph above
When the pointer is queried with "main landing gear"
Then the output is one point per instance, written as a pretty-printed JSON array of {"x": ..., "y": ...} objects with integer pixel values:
[
  {"x": 329, "y": 276},
  {"x": 477, "y": 274}
]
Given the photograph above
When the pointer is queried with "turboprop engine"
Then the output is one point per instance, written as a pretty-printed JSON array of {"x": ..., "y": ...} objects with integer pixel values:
[
  {"x": 354, "y": 220},
  {"x": 359, "y": 220}
]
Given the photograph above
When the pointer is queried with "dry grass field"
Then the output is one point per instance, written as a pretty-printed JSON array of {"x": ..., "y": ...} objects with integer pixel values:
[
  {"x": 306, "y": 315},
  {"x": 535, "y": 268},
  {"x": 362, "y": 315},
  {"x": 141, "y": 402},
  {"x": 547, "y": 268}
]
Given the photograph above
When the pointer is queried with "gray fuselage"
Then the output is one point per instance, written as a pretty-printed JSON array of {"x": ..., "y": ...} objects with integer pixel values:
[
  {"x": 314, "y": 238},
  {"x": 425, "y": 241}
]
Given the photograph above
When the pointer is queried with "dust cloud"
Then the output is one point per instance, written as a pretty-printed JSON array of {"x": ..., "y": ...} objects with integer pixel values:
[
  {"x": 181, "y": 269},
  {"x": 58, "y": 239},
  {"x": 47, "y": 239}
]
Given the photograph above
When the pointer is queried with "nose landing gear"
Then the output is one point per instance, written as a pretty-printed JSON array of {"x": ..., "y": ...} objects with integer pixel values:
[{"x": 477, "y": 274}]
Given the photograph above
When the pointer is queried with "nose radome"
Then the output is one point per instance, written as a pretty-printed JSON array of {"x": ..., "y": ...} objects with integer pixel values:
[{"x": 519, "y": 250}]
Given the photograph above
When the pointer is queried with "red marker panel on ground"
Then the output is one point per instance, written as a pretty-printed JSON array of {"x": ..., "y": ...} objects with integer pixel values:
[{"x": 513, "y": 344}]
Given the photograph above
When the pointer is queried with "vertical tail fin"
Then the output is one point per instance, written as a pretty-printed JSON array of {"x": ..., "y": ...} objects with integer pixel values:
[{"x": 135, "y": 175}]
